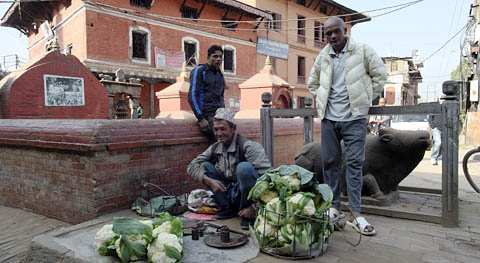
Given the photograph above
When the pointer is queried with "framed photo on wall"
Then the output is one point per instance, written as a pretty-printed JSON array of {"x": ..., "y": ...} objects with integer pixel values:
[{"x": 63, "y": 91}]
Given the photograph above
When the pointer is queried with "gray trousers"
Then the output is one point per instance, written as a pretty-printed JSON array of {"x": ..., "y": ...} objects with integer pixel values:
[{"x": 353, "y": 134}]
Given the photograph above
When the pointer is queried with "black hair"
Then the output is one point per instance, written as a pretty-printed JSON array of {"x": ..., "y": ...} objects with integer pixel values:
[{"x": 214, "y": 48}]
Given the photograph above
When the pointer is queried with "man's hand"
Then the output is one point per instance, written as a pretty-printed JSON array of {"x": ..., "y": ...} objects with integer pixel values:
[
  {"x": 203, "y": 125},
  {"x": 215, "y": 185},
  {"x": 247, "y": 212}
]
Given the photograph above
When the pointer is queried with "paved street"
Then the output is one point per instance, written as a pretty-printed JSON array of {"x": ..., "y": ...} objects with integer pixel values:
[{"x": 396, "y": 240}]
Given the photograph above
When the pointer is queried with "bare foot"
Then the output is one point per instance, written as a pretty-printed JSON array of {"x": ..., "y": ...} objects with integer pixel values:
[{"x": 247, "y": 212}]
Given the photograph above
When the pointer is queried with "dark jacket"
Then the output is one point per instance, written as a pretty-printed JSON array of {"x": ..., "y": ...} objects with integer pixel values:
[
  {"x": 205, "y": 95},
  {"x": 435, "y": 121}
]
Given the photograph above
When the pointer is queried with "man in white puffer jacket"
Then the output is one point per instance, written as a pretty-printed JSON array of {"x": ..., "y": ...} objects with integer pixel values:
[{"x": 345, "y": 79}]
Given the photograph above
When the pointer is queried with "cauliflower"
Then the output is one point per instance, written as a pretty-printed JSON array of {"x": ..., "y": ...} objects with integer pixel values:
[
  {"x": 294, "y": 205},
  {"x": 268, "y": 195},
  {"x": 163, "y": 228},
  {"x": 157, "y": 250},
  {"x": 147, "y": 222},
  {"x": 104, "y": 236},
  {"x": 293, "y": 181},
  {"x": 137, "y": 238},
  {"x": 263, "y": 228}
]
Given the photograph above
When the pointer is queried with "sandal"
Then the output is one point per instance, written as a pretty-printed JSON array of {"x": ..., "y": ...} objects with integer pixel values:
[{"x": 360, "y": 224}]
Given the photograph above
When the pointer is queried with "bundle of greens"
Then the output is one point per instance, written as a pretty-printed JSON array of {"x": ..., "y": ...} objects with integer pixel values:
[
  {"x": 292, "y": 208},
  {"x": 159, "y": 240}
]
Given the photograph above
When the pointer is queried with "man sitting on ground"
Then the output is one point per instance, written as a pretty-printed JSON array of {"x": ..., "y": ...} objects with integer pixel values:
[{"x": 230, "y": 168}]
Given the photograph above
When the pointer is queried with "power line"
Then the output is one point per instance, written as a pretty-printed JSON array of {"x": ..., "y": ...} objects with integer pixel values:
[
  {"x": 458, "y": 32},
  {"x": 235, "y": 22}
]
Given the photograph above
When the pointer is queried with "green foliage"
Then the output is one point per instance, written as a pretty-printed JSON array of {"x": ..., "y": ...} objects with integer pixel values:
[
  {"x": 172, "y": 252},
  {"x": 176, "y": 224},
  {"x": 297, "y": 214},
  {"x": 457, "y": 74},
  {"x": 128, "y": 226}
]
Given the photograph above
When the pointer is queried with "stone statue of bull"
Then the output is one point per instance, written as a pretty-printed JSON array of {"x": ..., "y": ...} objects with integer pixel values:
[{"x": 390, "y": 156}]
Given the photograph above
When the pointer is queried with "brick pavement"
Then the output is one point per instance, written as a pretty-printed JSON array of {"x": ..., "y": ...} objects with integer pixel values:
[{"x": 397, "y": 240}]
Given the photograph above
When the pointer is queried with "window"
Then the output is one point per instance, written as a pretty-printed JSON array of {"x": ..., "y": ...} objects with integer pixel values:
[
  {"x": 300, "y": 102},
  {"x": 229, "y": 59},
  {"x": 277, "y": 21},
  {"x": 141, "y": 3},
  {"x": 301, "y": 29},
  {"x": 317, "y": 34},
  {"x": 189, "y": 12},
  {"x": 140, "y": 44},
  {"x": 301, "y": 69},
  {"x": 322, "y": 27},
  {"x": 191, "y": 49}
]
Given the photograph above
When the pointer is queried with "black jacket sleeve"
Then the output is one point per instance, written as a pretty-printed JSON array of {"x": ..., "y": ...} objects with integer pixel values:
[{"x": 195, "y": 93}]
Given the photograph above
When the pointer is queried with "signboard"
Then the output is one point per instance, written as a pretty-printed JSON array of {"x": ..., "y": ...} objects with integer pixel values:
[
  {"x": 474, "y": 90},
  {"x": 63, "y": 91},
  {"x": 272, "y": 48},
  {"x": 169, "y": 59}
]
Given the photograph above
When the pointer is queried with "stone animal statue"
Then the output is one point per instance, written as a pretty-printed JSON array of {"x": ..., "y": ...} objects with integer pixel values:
[{"x": 390, "y": 156}]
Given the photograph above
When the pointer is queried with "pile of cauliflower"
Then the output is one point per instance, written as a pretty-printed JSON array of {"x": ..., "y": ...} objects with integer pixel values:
[
  {"x": 292, "y": 208},
  {"x": 158, "y": 240}
]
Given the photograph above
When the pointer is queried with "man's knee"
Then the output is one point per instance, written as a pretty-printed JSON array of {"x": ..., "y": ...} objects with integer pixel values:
[
  {"x": 245, "y": 172},
  {"x": 210, "y": 170},
  {"x": 244, "y": 169}
]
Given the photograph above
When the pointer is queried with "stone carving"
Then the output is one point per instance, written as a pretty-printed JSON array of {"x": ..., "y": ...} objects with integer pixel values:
[
  {"x": 132, "y": 89},
  {"x": 389, "y": 158}
]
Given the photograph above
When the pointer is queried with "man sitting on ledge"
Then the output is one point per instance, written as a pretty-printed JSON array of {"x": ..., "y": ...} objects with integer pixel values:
[{"x": 230, "y": 168}]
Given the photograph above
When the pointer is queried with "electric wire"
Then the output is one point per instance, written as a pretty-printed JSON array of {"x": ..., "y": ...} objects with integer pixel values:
[
  {"x": 235, "y": 22},
  {"x": 448, "y": 41}
]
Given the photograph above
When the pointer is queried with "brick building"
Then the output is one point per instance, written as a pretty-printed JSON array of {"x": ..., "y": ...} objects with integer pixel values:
[
  {"x": 150, "y": 39},
  {"x": 147, "y": 39},
  {"x": 295, "y": 37},
  {"x": 404, "y": 75}
]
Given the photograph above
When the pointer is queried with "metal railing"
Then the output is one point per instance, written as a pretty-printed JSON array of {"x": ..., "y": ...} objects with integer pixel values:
[{"x": 449, "y": 112}]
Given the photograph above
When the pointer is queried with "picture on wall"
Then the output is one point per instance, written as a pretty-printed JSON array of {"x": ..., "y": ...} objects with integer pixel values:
[{"x": 63, "y": 91}]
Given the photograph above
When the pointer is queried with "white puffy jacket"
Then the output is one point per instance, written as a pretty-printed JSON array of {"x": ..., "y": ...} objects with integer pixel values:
[{"x": 365, "y": 75}]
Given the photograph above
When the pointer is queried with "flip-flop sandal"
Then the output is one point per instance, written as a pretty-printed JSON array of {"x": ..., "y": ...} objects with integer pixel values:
[{"x": 360, "y": 224}]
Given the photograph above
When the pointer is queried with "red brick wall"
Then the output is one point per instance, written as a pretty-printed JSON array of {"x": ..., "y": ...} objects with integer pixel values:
[
  {"x": 25, "y": 98},
  {"x": 75, "y": 170}
]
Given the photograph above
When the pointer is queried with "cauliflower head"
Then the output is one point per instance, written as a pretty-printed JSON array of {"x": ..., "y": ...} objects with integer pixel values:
[
  {"x": 137, "y": 238},
  {"x": 296, "y": 199},
  {"x": 263, "y": 228},
  {"x": 147, "y": 222},
  {"x": 293, "y": 181},
  {"x": 163, "y": 228},
  {"x": 104, "y": 235},
  {"x": 268, "y": 195},
  {"x": 156, "y": 250}
]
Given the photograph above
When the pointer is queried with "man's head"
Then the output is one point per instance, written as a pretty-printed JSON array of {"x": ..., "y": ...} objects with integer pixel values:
[
  {"x": 381, "y": 102},
  {"x": 223, "y": 126},
  {"x": 335, "y": 31},
  {"x": 215, "y": 56}
]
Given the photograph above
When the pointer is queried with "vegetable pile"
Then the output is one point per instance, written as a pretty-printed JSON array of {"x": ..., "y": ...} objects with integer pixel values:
[
  {"x": 292, "y": 205},
  {"x": 159, "y": 240}
]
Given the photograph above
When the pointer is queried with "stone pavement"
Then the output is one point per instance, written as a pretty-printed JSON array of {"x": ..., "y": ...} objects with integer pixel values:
[{"x": 397, "y": 240}]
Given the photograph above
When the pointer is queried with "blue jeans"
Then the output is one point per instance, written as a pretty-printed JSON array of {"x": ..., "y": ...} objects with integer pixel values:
[
  {"x": 353, "y": 133},
  {"x": 437, "y": 144},
  {"x": 235, "y": 197}
]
